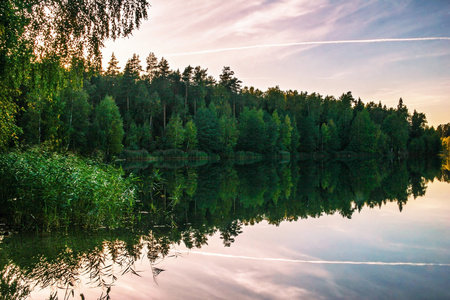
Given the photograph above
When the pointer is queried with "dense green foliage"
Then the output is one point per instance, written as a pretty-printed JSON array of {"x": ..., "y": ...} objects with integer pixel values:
[
  {"x": 219, "y": 194},
  {"x": 160, "y": 109},
  {"x": 44, "y": 191},
  {"x": 45, "y": 47}
]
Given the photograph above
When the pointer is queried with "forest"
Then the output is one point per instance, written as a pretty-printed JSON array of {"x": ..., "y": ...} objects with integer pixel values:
[{"x": 105, "y": 112}]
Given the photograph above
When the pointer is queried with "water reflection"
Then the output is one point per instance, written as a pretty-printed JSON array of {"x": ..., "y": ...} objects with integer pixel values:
[
  {"x": 217, "y": 195},
  {"x": 66, "y": 263},
  {"x": 194, "y": 203}
]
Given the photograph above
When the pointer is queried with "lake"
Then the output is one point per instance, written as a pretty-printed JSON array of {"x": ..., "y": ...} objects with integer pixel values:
[{"x": 356, "y": 229}]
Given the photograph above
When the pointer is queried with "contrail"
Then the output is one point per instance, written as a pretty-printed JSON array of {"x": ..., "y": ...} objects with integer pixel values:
[
  {"x": 330, "y": 262},
  {"x": 312, "y": 43}
]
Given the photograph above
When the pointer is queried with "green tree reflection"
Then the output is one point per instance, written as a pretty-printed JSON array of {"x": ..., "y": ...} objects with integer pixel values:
[{"x": 189, "y": 204}]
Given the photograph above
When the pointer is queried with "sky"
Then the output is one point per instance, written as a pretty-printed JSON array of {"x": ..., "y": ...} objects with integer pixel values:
[{"x": 379, "y": 50}]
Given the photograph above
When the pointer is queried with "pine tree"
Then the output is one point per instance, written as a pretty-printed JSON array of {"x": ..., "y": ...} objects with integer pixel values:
[
  {"x": 133, "y": 67},
  {"x": 151, "y": 68},
  {"x": 113, "y": 66}
]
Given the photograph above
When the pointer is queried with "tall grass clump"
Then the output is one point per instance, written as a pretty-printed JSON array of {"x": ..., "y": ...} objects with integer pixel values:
[{"x": 45, "y": 191}]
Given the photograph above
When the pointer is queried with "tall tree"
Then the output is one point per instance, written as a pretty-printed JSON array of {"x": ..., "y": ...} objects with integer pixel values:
[
  {"x": 345, "y": 118},
  {"x": 163, "y": 86},
  {"x": 187, "y": 78},
  {"x": 208, "y": 131},
  {"x": 309, "y": 134},
  {"x": 364, "y": 133},
  {"x": 418, "y": 124},
  {"x": 108, "y": 127},
  {"x": 175, "y": 133},
  {"x": 163, "y": 69},
  {"x": 76, "y": 119},
  {"x": 334, "y": 142},
  {"x": 395, "y": 126},
  {"x": 228, "y": 134},
  {"x": 152, "y": 65},
  {"x": 443, "y": 130},
  {"x": 252, "y": 131},
  {"x": 113, "y": 66},
  {"x": 295, "y": 139},
  {"x": 190, "y": 135},
  {"x": 200, "y": 79},
  {"x": 231, "y": 83},
  {"x": 274, "y": 99},
  {"x": 325, "y": 136},
  {"x": 200, "y": 75},
  {"x": 129, "y": 84},
  {"x": 286, "y": 133},
  {"x": 133, "y": 67}
]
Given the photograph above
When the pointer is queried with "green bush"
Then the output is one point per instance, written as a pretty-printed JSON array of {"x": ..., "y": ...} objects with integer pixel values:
[{"x": 47, "y": 190}]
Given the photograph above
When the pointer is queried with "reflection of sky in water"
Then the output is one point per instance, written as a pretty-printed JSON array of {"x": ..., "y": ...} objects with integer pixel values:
[{"x": 419, "y": 234}]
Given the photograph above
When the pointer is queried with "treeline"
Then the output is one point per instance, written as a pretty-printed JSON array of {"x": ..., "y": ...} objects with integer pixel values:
[{"x": 93, "y": 111}]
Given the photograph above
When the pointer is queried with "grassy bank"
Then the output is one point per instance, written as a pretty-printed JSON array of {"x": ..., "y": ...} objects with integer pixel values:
[{"x": 43, "y": 191}]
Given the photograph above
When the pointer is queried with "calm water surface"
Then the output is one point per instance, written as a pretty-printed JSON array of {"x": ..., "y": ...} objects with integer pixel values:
[{"x": 374, "y": 245}]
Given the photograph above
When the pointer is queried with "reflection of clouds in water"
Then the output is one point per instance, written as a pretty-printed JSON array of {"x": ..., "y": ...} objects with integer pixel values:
[
  {"x": 258, "y": 285},
  {"x": 337, "y": 262},
  {"x": 207, "y": 279}
]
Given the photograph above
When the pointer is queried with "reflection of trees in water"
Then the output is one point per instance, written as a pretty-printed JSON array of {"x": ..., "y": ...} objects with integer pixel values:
[
  {"x": 68, "y": 270},
  {"x": 12, "y": 284},
  {"x": 274, "y": 192},
  {"x": 445, "y": 171},
  {"x": 216, "y": 197},
  {"x": 194, "y": 204},
  {"x": 228, "y": 233}
]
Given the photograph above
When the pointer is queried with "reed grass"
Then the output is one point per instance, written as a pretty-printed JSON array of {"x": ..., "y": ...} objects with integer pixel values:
[{"x": 45, "y": 191}]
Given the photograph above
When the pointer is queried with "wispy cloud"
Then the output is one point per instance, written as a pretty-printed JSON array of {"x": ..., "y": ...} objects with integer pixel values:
[{"x": 310, "y": 43}]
